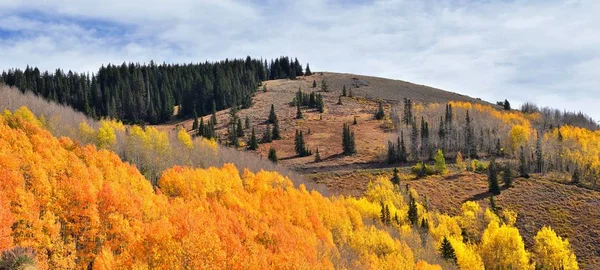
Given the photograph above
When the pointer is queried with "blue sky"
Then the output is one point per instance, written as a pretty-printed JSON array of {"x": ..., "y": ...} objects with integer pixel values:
[{"x": 545, "y": 51}]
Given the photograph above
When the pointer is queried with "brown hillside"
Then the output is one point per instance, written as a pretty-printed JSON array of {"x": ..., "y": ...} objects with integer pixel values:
[{"x": 326, "y": 134}]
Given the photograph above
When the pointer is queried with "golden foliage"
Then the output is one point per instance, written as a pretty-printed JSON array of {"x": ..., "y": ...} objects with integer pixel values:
[
  {"x": 552, "y": 252},
  {"x": 79, "y": 206}
]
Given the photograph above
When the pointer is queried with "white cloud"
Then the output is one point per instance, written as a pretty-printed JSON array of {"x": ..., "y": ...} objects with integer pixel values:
[{"x": 541, "y": 51}]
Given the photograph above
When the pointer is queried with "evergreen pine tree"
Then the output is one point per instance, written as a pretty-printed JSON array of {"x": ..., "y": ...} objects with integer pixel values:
[
  {"x": 507, "y": 176},
  {"x": 392, "y": 155},
  {"x": 575, "y": 177},
  {"x": 239, "y": 128},
  {"x": 317, "y": 156},
  {"x": 267, "y": 138},
  {"x": 344, "y": 91},
  {"x": 424, "y": 225},
  {"x": 299, "y": 112},
  {"x": 253, "y": 142},
  {"x": 494, "y": 187},
  {"x": 340, "y": 101},
  {"x": 195, "y": 124},
  {"x": 348, "y": 143},
  {"x": 387, "y": 215},
  {"x": 314, "y": 85},
  {"x": 320, "y": 103},
  {"x": 213, "y": 118},
  {"x": 324, "y": 86},
  {"x": 307, "y": 71},
  {"x": 396, "y": 177},
  {"x": 523, "y": 167},
  {"x": 380, "y": 114},
  {"x": 402, "y": 156},
  {"x": 382, "y": 215},
  {"x": 414, "y": 135},
  {"x": 247, "y": 123},
  {"x": 264, "y": 88},
  {"x": 233, "y": 136},
  {"x": 506, "y": 105},
  {"x": 272, "y": 116},
  {"x": 493, "y": 205},
  {"x": 442, "y": 135},
  {"x": 273, "y": 155},
  {"x": 355, "y": 122},
  {"x": 201, "y": 128},
  {"x": 447, "y": 250},
  {"x": 276, "y": 135},
  {"x": 413, "y": 214}
]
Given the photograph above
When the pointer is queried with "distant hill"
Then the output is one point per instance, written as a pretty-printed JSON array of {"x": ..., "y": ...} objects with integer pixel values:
[{"x": 392, "y": 90}]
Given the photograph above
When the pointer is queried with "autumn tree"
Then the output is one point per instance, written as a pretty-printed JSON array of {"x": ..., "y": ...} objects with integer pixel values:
[
  {"x": 470, "y": 146},
  {"x": 440, "y": 163},
  {"x": 552, "y": 252},
  {"x": 539, "y": 162},
  {"x": 502, "y": 247},
  {"x": 460, "y": 164}
]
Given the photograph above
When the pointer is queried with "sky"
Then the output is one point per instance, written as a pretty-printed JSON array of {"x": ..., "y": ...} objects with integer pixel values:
[{"x": 542, "y": 51}]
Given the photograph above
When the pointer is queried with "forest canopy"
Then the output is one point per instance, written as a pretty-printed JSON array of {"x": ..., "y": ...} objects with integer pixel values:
[{"x": 148, "y": 93}]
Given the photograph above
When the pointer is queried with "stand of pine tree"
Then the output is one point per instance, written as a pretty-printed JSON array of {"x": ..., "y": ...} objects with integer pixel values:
[{"x": 148, "y": 93}]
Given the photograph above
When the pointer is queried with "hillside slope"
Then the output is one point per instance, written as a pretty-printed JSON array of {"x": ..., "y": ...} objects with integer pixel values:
[{"x": 324, "y": 130}]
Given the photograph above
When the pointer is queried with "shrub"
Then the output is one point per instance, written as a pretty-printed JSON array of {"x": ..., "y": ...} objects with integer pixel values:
[{"x": 421, "y": 170}]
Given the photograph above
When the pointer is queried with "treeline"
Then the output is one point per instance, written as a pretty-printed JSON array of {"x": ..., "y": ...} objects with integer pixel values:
[
  {"x": 554, "y": 117},
  {"x": 148, "y": 93}
]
